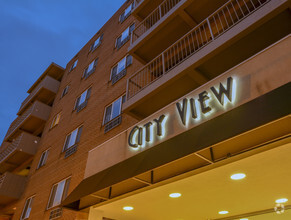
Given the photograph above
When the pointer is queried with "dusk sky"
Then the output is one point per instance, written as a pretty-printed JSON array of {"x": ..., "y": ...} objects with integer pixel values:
[{"x": 34, "y": 33}]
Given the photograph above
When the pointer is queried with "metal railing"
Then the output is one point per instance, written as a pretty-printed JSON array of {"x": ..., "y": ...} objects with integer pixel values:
[
  {"x": 153, "y": 18},
  {"x": 112, "y": 124},
  {"x": 6, "y": 152},
  {"x": 208, "y": 30}
]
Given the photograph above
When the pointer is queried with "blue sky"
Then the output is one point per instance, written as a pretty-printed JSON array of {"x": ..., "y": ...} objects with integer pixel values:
[{"x": 34, "y": 33}]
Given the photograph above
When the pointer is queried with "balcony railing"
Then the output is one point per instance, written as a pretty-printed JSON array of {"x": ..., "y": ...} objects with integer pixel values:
[
  {"x": 207, "y": 31},
  {"x": 112, "y": 124},
  {"x": 153, "y": 18},
  {"x": 6, "y": 152},
  {"x": 48, "y": 82}
]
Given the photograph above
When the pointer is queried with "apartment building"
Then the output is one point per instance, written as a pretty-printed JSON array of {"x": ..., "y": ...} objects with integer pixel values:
[{"x": 175, "y": 109}]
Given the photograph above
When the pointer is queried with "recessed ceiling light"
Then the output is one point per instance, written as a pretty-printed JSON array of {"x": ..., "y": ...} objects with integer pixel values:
[
  {"x": 127, "y": 208},
  {"x": 223, "y": 212},
  {"x": 283, "y": 200},
  {"x": 175, "y": 195},
  {"x": 237, "y": 176},
  {"x": 244, "y": 219}
]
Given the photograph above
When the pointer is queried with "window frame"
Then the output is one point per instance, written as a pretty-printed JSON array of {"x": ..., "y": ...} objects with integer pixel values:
[
  {"x": 92, "y": 47},
  {"x": 77, "y": 138},
  {"x": 87, "y": 73},
  {"x": 122, "y": 97},
  {"x": 64, "y": 191},
  {"x": 30, "y": 199},
  {"x": 119, "y": 44},
  {"x": 123, "y": 15},
  {"x": 65, "y": 90},
  {"x": 128, "y": 62},
  {"x": 74, "y": 65},
  {"x": 79, "y": 106},
  {"x": 45, "y": 153},
  {"x": 56, "y": 120}
]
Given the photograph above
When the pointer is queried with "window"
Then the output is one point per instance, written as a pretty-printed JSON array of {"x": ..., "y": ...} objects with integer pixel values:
[
  {"x": 55, "y": 120},
  {"x": 124, "y": 37},
  {"x": 119, "y": 70},
  {"x": 27, "y": 208},
  {"x": 96, "y": 43},
  {"x": 126, "y": 13},
  {"x": 73, "y": 138},
  {"x": 65, "y": 91},
  {"x": 112, "y": 114},
  {"x": 113, "y": 110},
  {"x": 74, "y": 65},
  {"x": 82, "y": 100},
  {"x": 90, "y": 69},
  {"x": 58, "y": 193},
  {"x": 43, "y": 159}
]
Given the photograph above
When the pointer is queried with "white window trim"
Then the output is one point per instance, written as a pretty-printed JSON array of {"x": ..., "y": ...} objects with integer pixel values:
[
  {"x": 92, "y": 47},
  {"x": 52, "y": 191},
  {"x": 87, "y": 71},
  {"x": 124, "y": 14},
  {"x": 45, "y": 159},
  {"x": 73, "y": 65},
  {"x": 86, "y": 98},
  {"x": 67, "y": 90},
  {"x": 127, "y": 34},
  {"x": 122, "y": 60},
  {"x": 54, "y": 119},
  {"x": 99, "y": 41},
  {"x": 116, "y": 65},
  {"x": 120, "y": 36},
  {"x": 120, "y": 97},
  {"x": 31, "y": 200},
  {"x": 68, "y": 135}
]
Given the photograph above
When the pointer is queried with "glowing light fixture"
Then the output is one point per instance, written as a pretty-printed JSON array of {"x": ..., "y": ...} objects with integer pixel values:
[
  {"x": 175, "y": 195},
  {"x": 127, "y": 208},
  {"x": 282, "y": 200},
  {"x": 238, "y": 176},
  {"x": 223, "y": 212},
  {"x": 244, "y": 219}
]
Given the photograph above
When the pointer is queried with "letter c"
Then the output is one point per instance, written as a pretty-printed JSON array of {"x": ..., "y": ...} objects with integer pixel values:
[{"x": 135, "y": 129}]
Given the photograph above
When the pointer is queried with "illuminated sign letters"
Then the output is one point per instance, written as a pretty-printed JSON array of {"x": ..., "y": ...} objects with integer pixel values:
[
  {"x": 135, "y": 137},
  {"x": 202, "y": 98},
  {"x": 141, "y": 135}
]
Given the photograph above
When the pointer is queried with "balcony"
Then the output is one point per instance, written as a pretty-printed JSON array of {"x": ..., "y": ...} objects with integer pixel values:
[
  {"x": 205, "y": 52},
  {"x": 11, "y": 187},
  {"x": 32, "y": 121},
  {"x": 19, "y": 151},
  {"x": 142, "y": 8},
  {"x": 44, "y": 92},
  {"x": 171, "y": 19}
]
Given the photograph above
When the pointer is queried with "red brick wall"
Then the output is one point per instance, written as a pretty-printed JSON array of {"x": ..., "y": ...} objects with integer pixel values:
[{"x": 102, "y": 94}]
